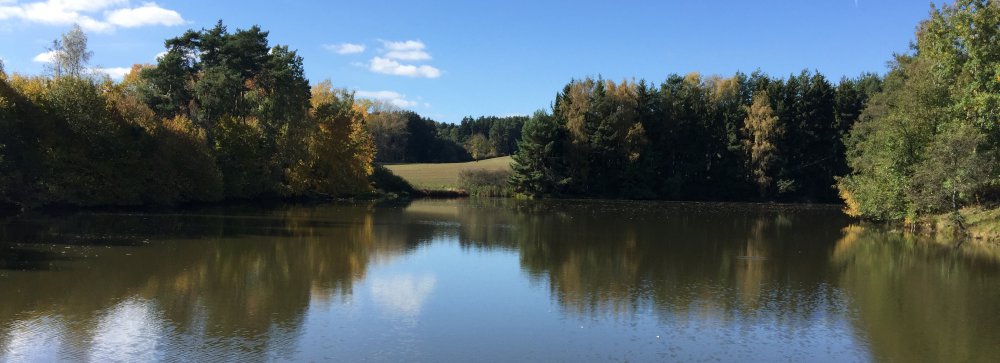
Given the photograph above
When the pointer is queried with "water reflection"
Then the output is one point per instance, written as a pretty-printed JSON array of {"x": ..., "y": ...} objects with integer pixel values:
[
  {"x": 402, "y": 295},
  {"x": 460, "y": 280},
  {"x": 919, "y": 301}
]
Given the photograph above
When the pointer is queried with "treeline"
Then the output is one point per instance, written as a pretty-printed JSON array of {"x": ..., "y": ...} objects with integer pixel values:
[
  {"x": 406, "y": 137},
  {"x": 220, "y": 116},
  {"x": 746, "y": 137},
  {"x": 929, "y": 142},
  {"x": 486, "y": 136},
  {"x": 923, "y": 140}
]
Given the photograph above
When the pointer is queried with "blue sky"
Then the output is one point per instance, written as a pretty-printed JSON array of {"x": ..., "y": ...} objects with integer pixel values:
[{"x": 449, "y": 59}]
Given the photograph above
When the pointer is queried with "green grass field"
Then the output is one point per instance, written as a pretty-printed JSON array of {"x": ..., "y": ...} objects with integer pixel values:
[{"x": 444, "y": 176}]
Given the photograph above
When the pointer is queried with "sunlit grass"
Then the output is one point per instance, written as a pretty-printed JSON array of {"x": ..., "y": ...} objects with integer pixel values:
[{"x": 444, "y": 176}]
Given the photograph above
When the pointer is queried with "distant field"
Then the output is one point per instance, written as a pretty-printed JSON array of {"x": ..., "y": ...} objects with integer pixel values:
[{"x": 444, "y": 176}]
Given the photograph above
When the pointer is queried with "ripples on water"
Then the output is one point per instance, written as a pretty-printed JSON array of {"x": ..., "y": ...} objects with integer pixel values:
[{"x": 490, "y": 280}]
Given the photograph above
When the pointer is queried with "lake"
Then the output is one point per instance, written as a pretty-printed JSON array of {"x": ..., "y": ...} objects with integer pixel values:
[{"x": 490, "y": 280}]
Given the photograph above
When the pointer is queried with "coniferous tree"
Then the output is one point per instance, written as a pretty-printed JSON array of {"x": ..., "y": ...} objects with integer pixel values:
[{"x": 538, "y": 168}]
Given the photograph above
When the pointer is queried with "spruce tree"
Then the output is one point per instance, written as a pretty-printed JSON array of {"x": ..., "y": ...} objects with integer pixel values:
[{"x": 538, "y": 168}]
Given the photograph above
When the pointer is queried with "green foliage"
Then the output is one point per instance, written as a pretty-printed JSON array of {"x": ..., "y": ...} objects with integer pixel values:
[
  {"x": 479, "y": 147},
  {"x": 186, "y": 165},
  {"x": 692, "y": 137},
  {"x": 406, "y": 137},
  {"x": 957, "y": 166},
  {"x": 538, "y": 168},
  {"x": 383, "y": 179},
  {"x": 425, "y": 145},
  {"x": 388, "y": 130},
  {"x": 500, "y": 133},
  {"x": 928, "y": 142},
  {"x": 243, "y": 161},
  {"x": 237, "y": 121},
  {"x": 485, "y": 183}
]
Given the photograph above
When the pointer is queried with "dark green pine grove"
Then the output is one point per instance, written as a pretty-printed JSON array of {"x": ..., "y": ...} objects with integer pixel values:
[
  {"x": 746, "y": 137},
  {"x": 406, "y": 137}
]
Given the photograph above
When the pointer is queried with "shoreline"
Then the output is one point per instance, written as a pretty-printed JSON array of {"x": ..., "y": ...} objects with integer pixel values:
[{"x": 982, "y": 225}]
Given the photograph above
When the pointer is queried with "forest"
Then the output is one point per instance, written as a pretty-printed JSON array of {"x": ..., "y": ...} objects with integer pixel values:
[
  {"x": 238, "y": 121},
  {"x": 740, "y": 138},
  {"x": 921, "y": 140},
  {"x": 406, "y": 137},
  {"x": 225, "y": 115}
]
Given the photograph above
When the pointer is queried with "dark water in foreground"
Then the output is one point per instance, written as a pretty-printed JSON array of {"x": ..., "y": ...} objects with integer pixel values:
[{"x": 490, "y": 280}]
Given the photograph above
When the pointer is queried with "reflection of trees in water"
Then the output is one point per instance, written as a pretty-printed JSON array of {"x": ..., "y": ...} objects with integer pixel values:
[
  {"x": 921, "y": 301},
  {"x": 683, "y": 259},
  {"x": 241, "y": 280},
  {"x": 735, "y": 261},
  {"x": 241, "y": 283}
]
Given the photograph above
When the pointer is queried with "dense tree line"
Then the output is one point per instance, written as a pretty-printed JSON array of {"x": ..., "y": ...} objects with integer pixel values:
[
  {"x": 746, "y": 137},
  {"x": 406, "y": 137},
  {"x": 220, "y": 116},
  {"x": 925, "y": 139},
  {"x": 225, "y": 115},
  {"x": 486, "y": 136},
  {"x": 929, "y": 142}
]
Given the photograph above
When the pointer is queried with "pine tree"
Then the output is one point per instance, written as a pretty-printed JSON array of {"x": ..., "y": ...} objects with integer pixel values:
[{"x": 537, "y": 168}]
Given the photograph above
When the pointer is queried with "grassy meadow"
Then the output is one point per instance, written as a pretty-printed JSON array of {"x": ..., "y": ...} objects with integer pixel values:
[{"x": 444, "y": 176}]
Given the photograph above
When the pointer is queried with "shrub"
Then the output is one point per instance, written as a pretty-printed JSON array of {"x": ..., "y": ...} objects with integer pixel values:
[
  {"x": 383, "y": 179},
  {"x": 486, "y": 183}
]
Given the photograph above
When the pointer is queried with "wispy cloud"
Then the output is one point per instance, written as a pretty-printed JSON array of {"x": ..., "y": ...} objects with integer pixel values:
[
  {"x": 345, "y": 48},
  {"x": 87, "y": 13},
  {"x": 389, "y": 66},
  {"x": 410, "y": 50},
  {"x": 113, "y": 72},
  {"x": 395, "y": 98}
]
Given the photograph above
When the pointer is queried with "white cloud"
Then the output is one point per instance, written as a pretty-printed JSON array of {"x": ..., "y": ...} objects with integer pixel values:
[
  {"x": 395, "y": 98},
  {"x": 389, "y": 66},
  {"x": 345, "y": 48},
  {"x": 148, "y": 14},
  {"x": 410, "y": 50},
  {"x": 47, "y": 57},
  {"x": 114, "y": 72},
  {"x": 117, "y": 13}
]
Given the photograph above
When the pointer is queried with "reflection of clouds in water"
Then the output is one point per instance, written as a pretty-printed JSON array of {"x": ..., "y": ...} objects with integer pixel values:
[
  {"x": 402, "y": 294},
  {"x": 127, "y": 332},
  {"x": 37, "y": 339}
]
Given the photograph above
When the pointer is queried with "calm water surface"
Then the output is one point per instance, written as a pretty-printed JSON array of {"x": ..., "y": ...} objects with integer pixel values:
[{"x": 490, "y": 280}]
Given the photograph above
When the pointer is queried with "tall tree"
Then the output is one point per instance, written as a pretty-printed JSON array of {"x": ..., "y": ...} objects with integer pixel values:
[
  {"x": 478, "y": 146},
  {"x": 762, "y": 132},
  {"x": 69, "y": 53},
  {"x": 925, "y": 144},
  {"x": 538, "y": 168}
]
